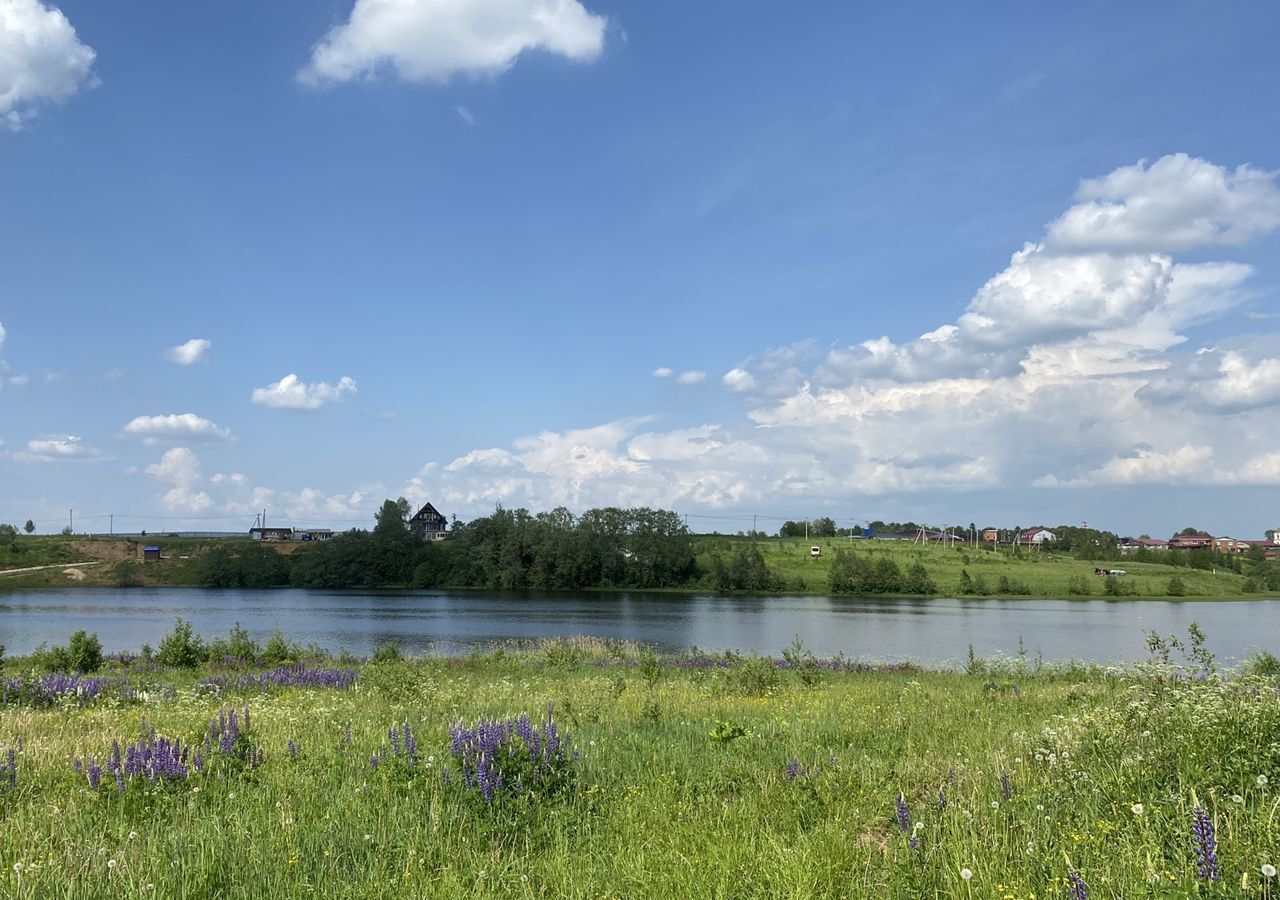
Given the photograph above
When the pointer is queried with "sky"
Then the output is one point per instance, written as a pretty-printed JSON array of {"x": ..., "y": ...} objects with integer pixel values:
[{"x": 870, "y": 261}]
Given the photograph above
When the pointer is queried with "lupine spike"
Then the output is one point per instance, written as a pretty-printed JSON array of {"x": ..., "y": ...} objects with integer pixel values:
[
  {"x": 1076, "y": 887},
  {"x": 904, "y": 815},
  {"x": 1206, "y": 845}
]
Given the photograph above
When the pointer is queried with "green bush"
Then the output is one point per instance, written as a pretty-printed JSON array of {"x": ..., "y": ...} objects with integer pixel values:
[
  {"x": 1078, "y": 585},
  {"x": 83, "y": 654},
  {"x": 278, "y": 651},
  {"x": 181, "y": 648},
  {"x": 387, "y": 652},
  {"x": 1175, "y": 588}
]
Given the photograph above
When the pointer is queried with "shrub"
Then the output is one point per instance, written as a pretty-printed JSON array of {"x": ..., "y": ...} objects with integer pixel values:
[
  {"x": 1264, "y": 664},
  {"x": 756, "y": 675},
  {"x": 278, "y": 650},
  {"x": 83, "y": 653},
  {"x": 1078, "y": 585},
  {"x": 1175, "y": 588},
  {"x": 181, "y": 648},
  {"x": 917, "y": 581},
  {"x": 387, "y": 651}
]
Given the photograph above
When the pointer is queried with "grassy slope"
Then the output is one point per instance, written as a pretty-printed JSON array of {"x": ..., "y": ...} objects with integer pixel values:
[
  {"x": 1046, "y": 573},
  {"x": 661, "y": 810},
  {"x": 115, "y": 558}
]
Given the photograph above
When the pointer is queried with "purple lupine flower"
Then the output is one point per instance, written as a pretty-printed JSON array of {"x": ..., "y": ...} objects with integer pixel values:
[
  {"x": 904, "y": 815},
  {"x": 1076, "y": 888},
  {"x": 913, "y": 842},
  {"x": 410, "y": 743},
  {"x": 394, "y": 735},
  {"x": 78, "y": 765},
  {"x": 94, "y": 775},
  {"x": 942, "y": 798},
  {"x": 373, "y": 762},
  {"x": 793, "y": 769},
  {"x": 293, "y": 749},
  {"x": 119, "y": 773},
  {"x": 346, "y": 734},
  {"x": 1006, "y": 786},
  {"x": 1205, "y": 843}
]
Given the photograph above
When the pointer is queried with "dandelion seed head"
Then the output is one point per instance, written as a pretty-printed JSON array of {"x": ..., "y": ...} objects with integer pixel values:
[
  {"x": 1268, "y": 870},
  {"x": 966, "y": 874}
]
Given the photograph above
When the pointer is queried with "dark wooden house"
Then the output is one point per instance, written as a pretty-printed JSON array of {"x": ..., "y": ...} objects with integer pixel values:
[{"x": 428, "y": 524}]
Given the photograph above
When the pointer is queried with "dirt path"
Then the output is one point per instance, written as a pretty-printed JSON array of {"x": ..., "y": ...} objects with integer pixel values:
[{"x": 78, "y": 565}]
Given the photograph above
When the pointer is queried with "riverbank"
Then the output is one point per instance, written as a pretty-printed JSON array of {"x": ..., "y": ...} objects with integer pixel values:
[
  {"x": 965, "y": 572},
  {"x": 679, "y": 777}
]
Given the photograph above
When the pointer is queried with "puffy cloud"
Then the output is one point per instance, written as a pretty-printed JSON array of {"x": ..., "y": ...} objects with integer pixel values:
[
  {"x": 738, "y": 380},
  {"x": 190, "y": 352},
  {"x": 291, "y": 393},
  {"x": 691, "y": 377},
  {"x": 433, "y": 40},
  {"x": 67, "y": 448},
  {"x": 41, "y": 60},
  {"x": 1189, "y": 463},
  {"x": 1220, "y": 379},
  {"x": 180, "y": 469},
  {"x": 1176, "y": 203},
  {"x": 663, "y": 372},
  {"x": 187, "y": 426}
]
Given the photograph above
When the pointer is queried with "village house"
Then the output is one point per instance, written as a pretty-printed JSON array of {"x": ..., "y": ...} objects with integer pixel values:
[
  {"x": 1127, "y": 545},
  {"x": 428, "y": 524},
  {"x": 1197, "y": 541},
  {"x": 991, "y": 535},
  {"x": 271, "y": 534}
]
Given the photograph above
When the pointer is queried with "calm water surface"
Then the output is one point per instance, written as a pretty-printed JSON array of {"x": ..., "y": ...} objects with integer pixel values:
[{"x": 931, "y": 631}]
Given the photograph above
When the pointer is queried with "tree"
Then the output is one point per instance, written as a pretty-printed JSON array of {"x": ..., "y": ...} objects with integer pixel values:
[
  {"x": 29, "y": 527},
  {"x": 66, "y": 531},
  {"x": 7, "y": 532},
  {"x": 823, "y": 528}
]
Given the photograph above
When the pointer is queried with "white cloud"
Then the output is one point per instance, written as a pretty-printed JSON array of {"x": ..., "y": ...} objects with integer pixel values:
[
  {"x": 41, "y": 60},
  {"x": 187, "y": 426},
  {"x": 433, "y": 40},
  {"x": 190, "y": 352},
  {"x": 65, "y": 448},
  {"x": 180, "y": 469},
  {"x": 692, "y": 377},
  {"x": 1176, "y": 203},
  {"x": 465, "y": 115},
  {"x": 738, "y": 380},
  {"x": 663, "y": 372},
  {"x": 1059, "y": 371},
  {"x": 290, "y": 393}
]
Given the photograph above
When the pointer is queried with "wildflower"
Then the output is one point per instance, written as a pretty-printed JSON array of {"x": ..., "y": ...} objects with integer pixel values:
[
  {"x": 1262, "y": 781},
  {"x": 995, "y": 804},
  {"x": 904, "y": 815},
  {"x": 913, "y": 842},
  {"x": 966, "y": 874},
  {"x": 1268, "y": 870},
  {"x": 1138, "y": 809},
  {"x": 1236, "y": 798},
  {"x": 17, "y": 868},
  {"x": 133, "y": 835},
  {"x": 1076, "y": 887},
  {"x": 942, "y": 798},
  {"x": 1006, "y": 787},
  {"x": 793, "y": 769},
  {"x": 111, "y": 864},
  {"x": 1205, "y": 843}
]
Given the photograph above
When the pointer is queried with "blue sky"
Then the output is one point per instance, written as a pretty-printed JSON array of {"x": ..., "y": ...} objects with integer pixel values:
[{"x": 497, "y": 219}]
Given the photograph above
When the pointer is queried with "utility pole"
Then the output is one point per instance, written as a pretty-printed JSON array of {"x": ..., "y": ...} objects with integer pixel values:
[
  {"x": 753, "y": 527},
  {"x": 112, "y": 526},
  {"x": 71, "y": 520}
]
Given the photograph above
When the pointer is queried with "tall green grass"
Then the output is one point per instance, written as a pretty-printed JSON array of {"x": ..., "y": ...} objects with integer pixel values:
[{"x": 682, "y": 789}]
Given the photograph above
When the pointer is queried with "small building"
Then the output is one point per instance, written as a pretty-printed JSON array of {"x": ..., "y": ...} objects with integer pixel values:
[
  {"x": 1228, "y": 545},
  {"x": 1037, "y": 536},
  {"x": 313, "y": 534},
  {"x": 271, "y": 534},
  {"x": 429, "y": 524},
  {"x": 991, "y": 535},
  {"x": 151, "y": 552}
]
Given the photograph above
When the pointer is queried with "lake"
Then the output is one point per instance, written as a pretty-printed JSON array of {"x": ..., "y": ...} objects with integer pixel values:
[{"x": 450, "y": 622}]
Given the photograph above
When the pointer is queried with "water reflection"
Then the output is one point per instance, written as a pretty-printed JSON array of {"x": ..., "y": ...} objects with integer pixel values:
[{"x": 932, "y": 631}]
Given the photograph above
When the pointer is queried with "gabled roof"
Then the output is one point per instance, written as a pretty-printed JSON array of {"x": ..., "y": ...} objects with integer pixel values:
[{"x": 428, "y": 513}]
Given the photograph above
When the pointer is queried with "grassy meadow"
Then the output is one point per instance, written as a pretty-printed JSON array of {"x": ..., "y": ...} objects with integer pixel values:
[
  {"x": 1042, "y": 572},
  {"x": 684, "y": 777}
]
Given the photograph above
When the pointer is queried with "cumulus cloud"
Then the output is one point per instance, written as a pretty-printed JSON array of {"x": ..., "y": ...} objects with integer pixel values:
[
  {"x": 663, "y": 372},
  {"x": 190, "y": 352},
  {"x": 1063, "y": 370},
  {"x": 738, "y": 380},
  {"x": 180, "y": 469},
  {"x": 42, "y": 60},
  {"x": 291, "y": 393},
  {"x": 1177, "y": 203},
  {"x": 58, "y": 448},
  {"x": 434, "y": 40},
  {"x": 185, "y": 426},
  {"x": 691, "y": 377}
]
